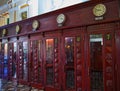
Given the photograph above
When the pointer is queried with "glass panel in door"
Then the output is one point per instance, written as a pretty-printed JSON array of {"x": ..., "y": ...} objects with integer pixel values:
[
  {"x": 36, "y": 61},
  {"x": 49, "y": 61},
  {"x": 69, "y": 62},
  {"x": 96, "y": 63},
  {"x": 73, "y": 63},
  {"x": 14, "y": 59},
  {"x": 52, "y": 61},
  {"x": 5, "y": 62},
  {"x": 25, "y": 60}
]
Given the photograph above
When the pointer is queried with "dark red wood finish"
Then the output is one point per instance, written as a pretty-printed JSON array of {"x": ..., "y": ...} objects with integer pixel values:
[
  {"x": 79, "y": 25},
  {"x": 117, "y": 67},
  {"x": 12, "y": 62},
  {"x": 36, "y": 76},
  {"x": 108, "y": 54},
  {"x": 22, "y": 62}
]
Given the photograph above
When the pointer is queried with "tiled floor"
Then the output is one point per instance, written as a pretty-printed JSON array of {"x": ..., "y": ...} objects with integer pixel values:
[{"x": 11, "y": 86}]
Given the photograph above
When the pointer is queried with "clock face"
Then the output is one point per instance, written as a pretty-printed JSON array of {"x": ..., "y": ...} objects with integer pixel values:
[
  {"x": 4, "y": 32},
  {"x": 17, "y": 29},
  {"x": 61, "y": 19},
  {"x": 99, "y": 10},
  {"x": 35, "y": 24}
]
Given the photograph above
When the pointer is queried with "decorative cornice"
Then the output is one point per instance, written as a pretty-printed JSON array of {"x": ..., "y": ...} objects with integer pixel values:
[{"x": 23, "y": 6}]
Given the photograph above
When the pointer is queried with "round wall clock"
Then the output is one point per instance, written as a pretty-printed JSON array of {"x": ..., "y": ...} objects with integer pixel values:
[
  {"x": 35, "y": 24},
  {"x": 61, "y": 18},
  {"x": 4, "y": 32},
  {"x": 99, "y": 10},
  {"x": 17, "y": 29}
]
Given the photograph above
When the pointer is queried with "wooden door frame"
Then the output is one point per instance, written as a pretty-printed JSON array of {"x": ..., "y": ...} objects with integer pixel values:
[
  {"x": 4, "y": 41},
  {"x": 32, "y": 38},
  {"x": 14, "y": 40},
  {"x": 74, "y": 32},
  {"x": 22, "y": 39},
  {"x": 103, "y": 32},
  {"x": 52, "y": 35}
]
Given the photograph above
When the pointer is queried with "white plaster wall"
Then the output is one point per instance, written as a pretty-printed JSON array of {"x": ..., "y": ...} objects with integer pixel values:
[
  {"x": 51, "y": 5},
  {"x": 44, "y": 6},
  {"x": 33, "y": 8},
  {"x": 17, "y": 9}
]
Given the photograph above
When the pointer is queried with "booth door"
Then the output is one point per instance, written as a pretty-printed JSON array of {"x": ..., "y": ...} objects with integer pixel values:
[
  {"x": 101, "y": 65},
  {"x": 12, "y": 62},
  {"x": 73, "y": 62},
  {"x": 4, "y": 61},
  {"x": 51, "y": 64},
  {"x": 35, "y": 67},
  {"x": 23, "y": 62}
]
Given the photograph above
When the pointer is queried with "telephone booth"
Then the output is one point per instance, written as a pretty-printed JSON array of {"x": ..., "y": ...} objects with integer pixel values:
[
  {"x": 22, "y": 57},
  {"x": 52, "y": 74},
  {"x": 4, "y": 60},
  {"x": 72, "y": 61},
  {"x": 101, "y": 61},
  {"x": 36, "y": 76},
  {"x": 70, "y": 49},
  {"x": 12, "y": 60},
  {"x": 64, "y": 60}
]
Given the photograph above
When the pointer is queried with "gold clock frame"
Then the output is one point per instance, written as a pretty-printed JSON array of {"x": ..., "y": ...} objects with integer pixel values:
[
  {"x": 18, "y": 28},
  {"x": 4, "y": 32},
  {"x": 35, "y": 24},
  {"x": 61, "y": 18},
  {"x": 99, "y": 10}
]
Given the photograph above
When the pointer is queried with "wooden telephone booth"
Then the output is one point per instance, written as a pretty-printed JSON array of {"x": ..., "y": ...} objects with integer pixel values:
[
  {"x": 12, "y": 62},
  {"x": 22, "y": 58},
  {"x": 54, "y": 64},
  {"x": 71, "y": 49},
  {"x": 15, "y": 53},
  {"x": 4, "y": 59},
  {"x": 36, "y": 76},
  {"x": 101, "y": 60}
]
